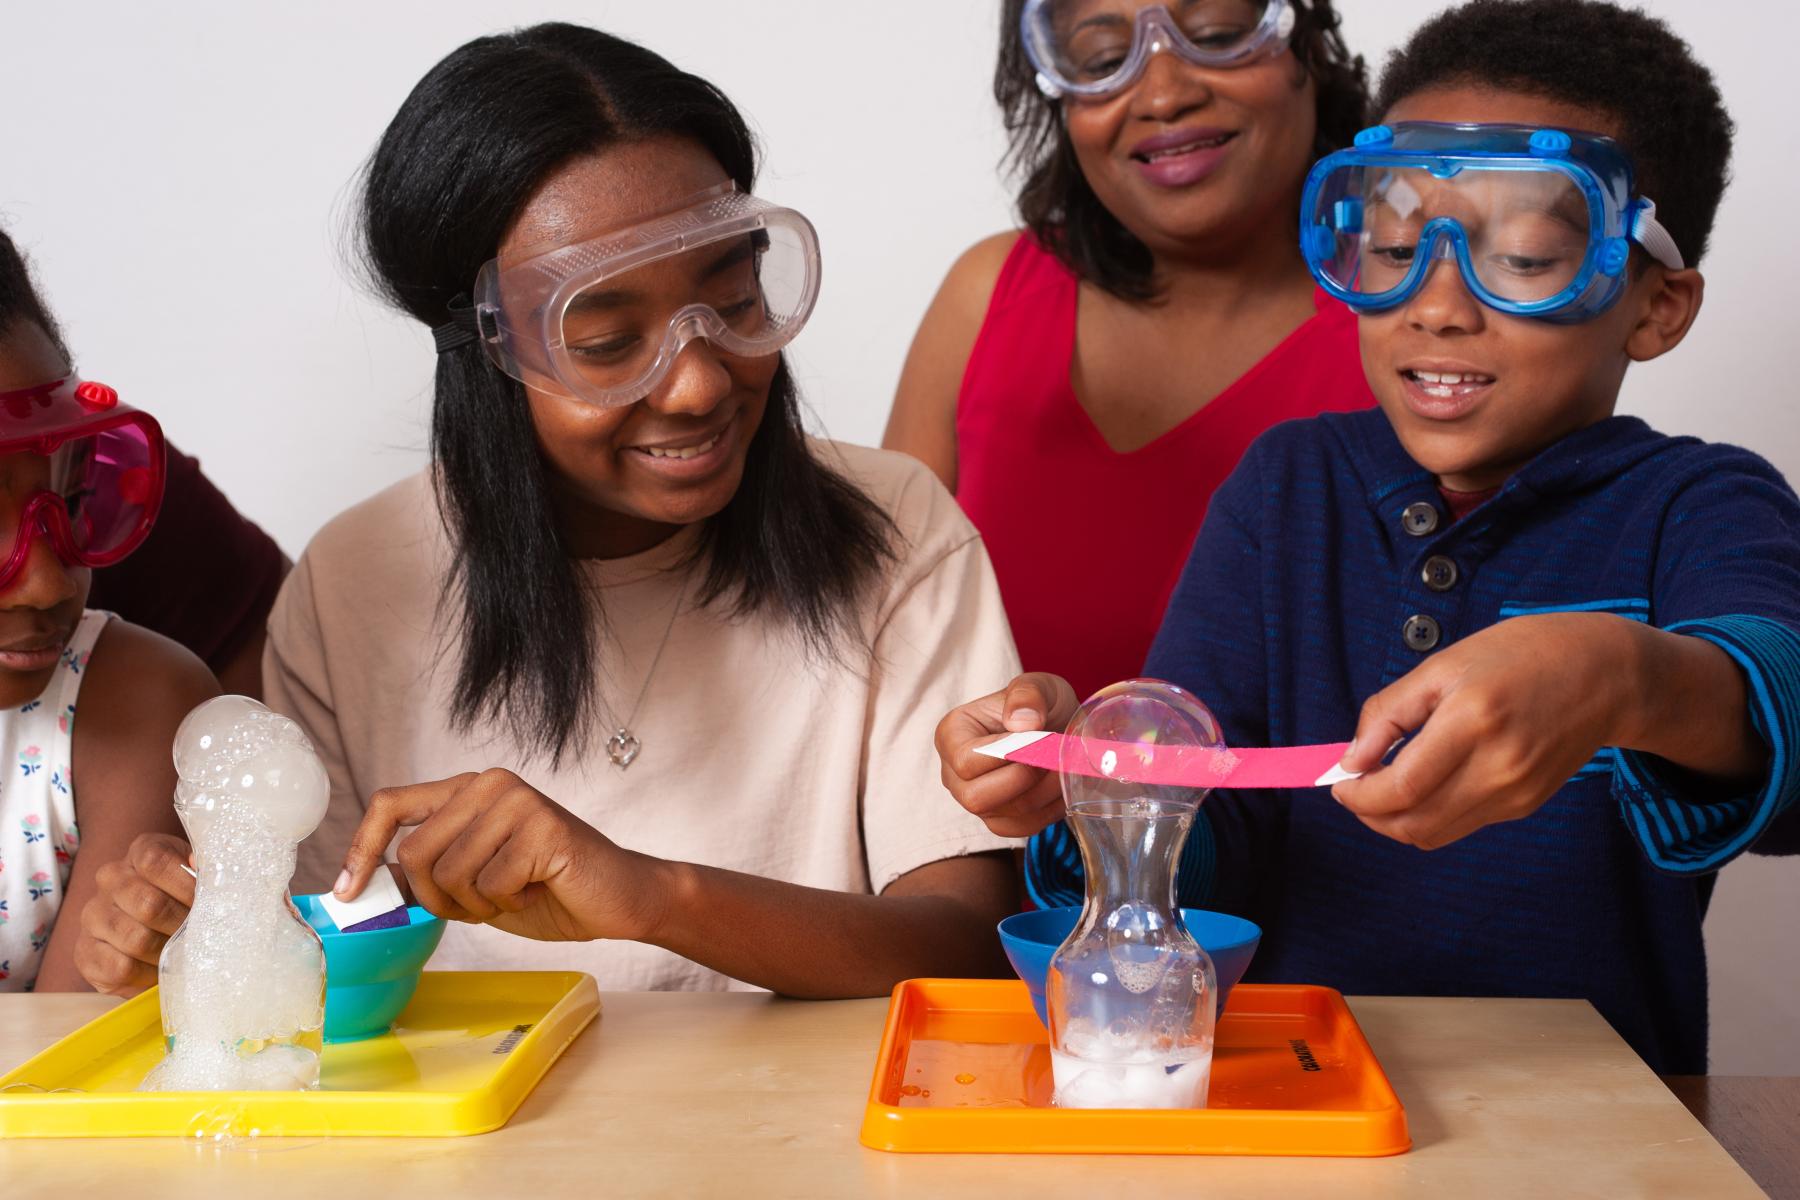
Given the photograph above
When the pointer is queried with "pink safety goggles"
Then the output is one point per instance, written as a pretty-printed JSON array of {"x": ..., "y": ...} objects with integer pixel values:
[{"x": 104, "y": 483}]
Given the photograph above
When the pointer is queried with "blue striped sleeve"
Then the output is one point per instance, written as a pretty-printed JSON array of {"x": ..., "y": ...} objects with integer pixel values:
[
  {"x": 1053, "y": 874},
  {"x": 1681, "y": 828}
]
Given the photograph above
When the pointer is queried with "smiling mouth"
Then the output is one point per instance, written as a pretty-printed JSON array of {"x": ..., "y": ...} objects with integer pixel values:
[
  {"x": 681, "y": 452},
  {"x": 1199, "y": 143},
  {"x": 1447, "y": 385}
]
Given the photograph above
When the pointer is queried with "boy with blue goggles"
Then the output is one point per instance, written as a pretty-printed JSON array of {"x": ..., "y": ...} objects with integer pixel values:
[{"x": 1539, "y": 221}]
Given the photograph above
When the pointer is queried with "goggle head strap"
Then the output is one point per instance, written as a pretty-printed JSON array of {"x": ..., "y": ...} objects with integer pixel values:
[{"x": 1642, "y": 227}]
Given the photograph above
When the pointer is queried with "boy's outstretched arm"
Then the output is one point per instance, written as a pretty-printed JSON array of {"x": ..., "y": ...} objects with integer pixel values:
[
  {"x": 1701, "y": 705},
  {"x": 1506, "y": 716}
]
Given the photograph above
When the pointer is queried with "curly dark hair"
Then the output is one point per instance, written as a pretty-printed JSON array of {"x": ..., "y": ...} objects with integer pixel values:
[
  {"x": 1620, "y": 62},
  {"x": 19, "y": 297},
  {"x": 1055, "y": 202}
]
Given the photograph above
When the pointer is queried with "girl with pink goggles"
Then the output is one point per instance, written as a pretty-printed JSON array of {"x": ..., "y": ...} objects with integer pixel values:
[{"x": 105, "y": 479}]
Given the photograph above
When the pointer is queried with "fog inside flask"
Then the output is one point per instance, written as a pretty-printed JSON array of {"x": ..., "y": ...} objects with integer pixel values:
[
  {"x": 1131, "y": 995},
  {"x": 242, "y": 982}
]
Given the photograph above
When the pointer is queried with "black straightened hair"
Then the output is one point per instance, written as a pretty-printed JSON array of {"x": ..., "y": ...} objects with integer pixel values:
[
  {"x": 1055, "y": 202},
  {"x": 1625, "y": 65},
  {"x": 468, "y": 148},
  {"x": 19, "y": 297}
]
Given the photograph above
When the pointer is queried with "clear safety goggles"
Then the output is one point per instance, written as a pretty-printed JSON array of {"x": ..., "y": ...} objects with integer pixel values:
[
  {"x": 1539, "y": 221},
  {"x": 101, "y": 480},
  {"x": 604, "y": 320},
  {"x": 1094, "y": 48}
]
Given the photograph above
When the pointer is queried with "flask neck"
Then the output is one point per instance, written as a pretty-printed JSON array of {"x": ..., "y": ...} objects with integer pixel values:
[{"x": 1131, "y": 850}]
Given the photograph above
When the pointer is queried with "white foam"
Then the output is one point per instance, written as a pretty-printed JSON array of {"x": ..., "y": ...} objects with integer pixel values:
[
  {"x": 1126, "y": 1066},
  {"x": 1093, "y": 1083},
  {"x": 243, "y": 980}
]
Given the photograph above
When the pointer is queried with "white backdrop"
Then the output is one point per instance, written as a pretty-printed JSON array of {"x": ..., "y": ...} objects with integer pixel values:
[{"x": 180, "y": 174}]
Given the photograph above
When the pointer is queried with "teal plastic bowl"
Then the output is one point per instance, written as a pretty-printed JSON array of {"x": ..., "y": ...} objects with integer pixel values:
[
  {"x": 370, "y": 976},
  {"x": 1031, "y": 939}
]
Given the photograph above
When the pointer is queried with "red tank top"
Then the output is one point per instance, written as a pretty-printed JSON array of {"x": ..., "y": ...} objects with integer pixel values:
[{"x": 1039, "y": 481}]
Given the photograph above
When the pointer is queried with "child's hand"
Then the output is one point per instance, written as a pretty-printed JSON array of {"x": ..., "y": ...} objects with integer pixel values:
[
  {"x": 1505, "y": 717},
  {"x": 142, "y": 901},
  {"x": 1014, "y": 800},
  {"x": 491, "y": 848}
]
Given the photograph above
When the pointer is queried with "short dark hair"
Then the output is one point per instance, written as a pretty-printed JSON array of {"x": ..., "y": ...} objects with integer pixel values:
[
  {"x": 19, "y": 298},
  {"x": 1620, "y": 62},
  {"x": 461, "y": 158},
  {"x": 1055, "y": 202}
]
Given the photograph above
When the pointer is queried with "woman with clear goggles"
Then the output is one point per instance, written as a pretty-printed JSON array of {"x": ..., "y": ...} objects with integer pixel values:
[
  {"x": 637, "y": 666},
  {"x": 1091, "y": 378}
]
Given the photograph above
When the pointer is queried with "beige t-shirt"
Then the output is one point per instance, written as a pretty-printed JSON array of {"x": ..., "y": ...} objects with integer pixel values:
[{"x": 755, "y": 757}]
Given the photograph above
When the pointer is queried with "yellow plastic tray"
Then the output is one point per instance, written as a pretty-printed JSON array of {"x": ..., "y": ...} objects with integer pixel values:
[{"x": 460, "y": 1060}]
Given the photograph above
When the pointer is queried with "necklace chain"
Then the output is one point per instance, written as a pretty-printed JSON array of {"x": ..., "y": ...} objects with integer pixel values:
[{"x": 623, "y": 747}]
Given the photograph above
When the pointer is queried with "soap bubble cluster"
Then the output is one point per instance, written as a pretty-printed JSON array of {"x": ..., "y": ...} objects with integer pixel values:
[
  {"x": 243, "y": 980},
  {"x": 233, "y": 749}
]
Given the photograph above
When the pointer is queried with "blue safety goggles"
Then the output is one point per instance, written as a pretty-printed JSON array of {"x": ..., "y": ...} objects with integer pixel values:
[{"x": 1540, "y": 222}]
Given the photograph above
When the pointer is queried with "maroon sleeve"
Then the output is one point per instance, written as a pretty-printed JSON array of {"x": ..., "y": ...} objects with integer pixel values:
[{"x": 205, "y": 577}]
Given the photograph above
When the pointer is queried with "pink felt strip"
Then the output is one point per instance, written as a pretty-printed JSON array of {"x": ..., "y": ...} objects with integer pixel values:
[{"x": 1186, "y": 766}]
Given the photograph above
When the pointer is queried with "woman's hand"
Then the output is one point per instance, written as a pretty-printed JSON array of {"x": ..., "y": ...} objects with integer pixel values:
[
  {"x": 492, "y": 849},
  {"x": 1013, "y": 800},
  {"x": 1506, "y": 716},
  {"x": 142, "y": 900}
]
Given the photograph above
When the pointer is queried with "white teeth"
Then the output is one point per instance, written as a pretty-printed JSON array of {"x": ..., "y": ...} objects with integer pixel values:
[
  {"x": 1187, "y": 148},
  {"x": 1450, "y": 377},
  {"x": 683, "y": 452}
]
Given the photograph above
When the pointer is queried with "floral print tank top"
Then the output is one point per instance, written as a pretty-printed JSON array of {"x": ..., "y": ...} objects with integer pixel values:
[{"x": 38, "y": 834}]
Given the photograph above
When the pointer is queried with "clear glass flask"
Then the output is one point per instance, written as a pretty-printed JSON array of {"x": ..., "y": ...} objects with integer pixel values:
[
  {"x": 242, "y": 982},
  {"x": 1131, "y": 995}
]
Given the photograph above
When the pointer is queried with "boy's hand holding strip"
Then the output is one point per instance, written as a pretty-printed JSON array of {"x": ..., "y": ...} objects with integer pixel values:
[{"x": 1180, "y": 766}]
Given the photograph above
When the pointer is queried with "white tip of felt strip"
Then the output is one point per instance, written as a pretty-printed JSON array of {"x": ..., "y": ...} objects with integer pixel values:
[
  {"x": 1012, "y": 743},
  {"x": 380, "y": 895}
]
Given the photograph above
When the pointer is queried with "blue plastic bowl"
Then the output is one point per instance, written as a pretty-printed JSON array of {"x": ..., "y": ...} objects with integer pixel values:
[
  {"x": 1031, "y": 938},
  {"x": 370, "y": 976}
]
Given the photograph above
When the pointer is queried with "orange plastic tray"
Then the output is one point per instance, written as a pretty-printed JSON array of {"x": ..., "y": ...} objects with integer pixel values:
[{"x": 965, "y": 1066}]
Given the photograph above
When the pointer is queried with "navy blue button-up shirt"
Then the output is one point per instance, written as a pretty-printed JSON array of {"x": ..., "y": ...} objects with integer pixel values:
[{"x": 1306, "y": 593}]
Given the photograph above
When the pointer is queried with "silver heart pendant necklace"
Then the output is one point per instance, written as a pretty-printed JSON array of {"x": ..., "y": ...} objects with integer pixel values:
[{"x": 623, "y": 747}]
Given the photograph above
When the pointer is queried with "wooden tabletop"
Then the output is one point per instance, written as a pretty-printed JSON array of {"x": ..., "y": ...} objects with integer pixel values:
[
  {"x": 695, "y": 1094},
  {"x": 1755, "y": 1117}
]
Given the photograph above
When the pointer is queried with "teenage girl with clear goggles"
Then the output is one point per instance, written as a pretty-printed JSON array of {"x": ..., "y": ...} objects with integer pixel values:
[{"x": 642, "y": 675}]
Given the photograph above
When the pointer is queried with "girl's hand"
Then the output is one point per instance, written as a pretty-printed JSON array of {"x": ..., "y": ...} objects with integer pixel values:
[
  {"x": 142, "y": 900},
  {"x": 1012, "y": 799},
  {"x": 490, "y": 848},
  {"x": 1505, "y": 717}
]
